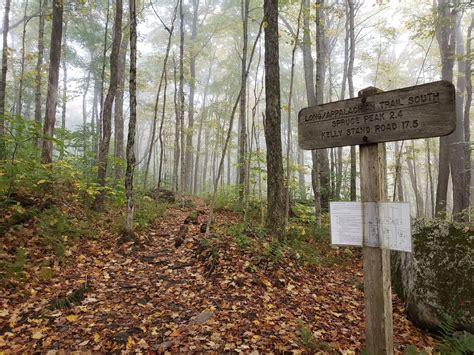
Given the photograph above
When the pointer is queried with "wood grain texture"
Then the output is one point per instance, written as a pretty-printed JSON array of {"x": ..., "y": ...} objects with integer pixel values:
[
  {"x": 420, "y": 111},
  {"x": 377, "y": 285}
]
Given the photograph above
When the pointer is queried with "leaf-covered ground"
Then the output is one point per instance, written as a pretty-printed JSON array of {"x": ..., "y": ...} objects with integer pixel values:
[{"x": 207, "y": 295}]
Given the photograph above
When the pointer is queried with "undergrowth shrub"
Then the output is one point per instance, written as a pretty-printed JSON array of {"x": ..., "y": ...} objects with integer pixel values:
[
  {"x": 57, "y": 231},
  {"x": 14, "y": 269}
]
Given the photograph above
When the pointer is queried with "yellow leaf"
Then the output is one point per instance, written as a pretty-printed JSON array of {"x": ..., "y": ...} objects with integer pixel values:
[
  {"x": 130, "y": 343},
  {"x": 175, "y": 333},
  {"x": 71, "y": 318},
  {"x": 37, "y": 334},
  {"x": 96, "y": 337}
]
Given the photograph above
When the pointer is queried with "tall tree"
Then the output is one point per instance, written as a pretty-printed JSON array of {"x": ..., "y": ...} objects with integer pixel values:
[
  {"x": 242, "y": 168},
  {"x": 445, "y": 35},
  {"x": 43, "y": 4},
  {"x": 109, "y": 100},
  {"x": 467, "y": 111},
  {"x": 64, "y": 98},
  {"x": 53, "y": 80},
  {"x": 118, "y": 109},
  {"x": 22, "y": 63},
  {"x": 272, "y": 123},
  {"x": 181, "y": 95},
  {"x": 133, "y": 120},
  {"x": 170, "y": 31},
  {"x": 350, "y": 12},
  {"x": 321, "y": 63},
  {"x": 3, "y": 77},
  {"x": 192, "y": 88}
]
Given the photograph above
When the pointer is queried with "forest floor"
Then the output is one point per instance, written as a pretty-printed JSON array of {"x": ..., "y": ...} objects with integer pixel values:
[{"x": 209, "y": 294}]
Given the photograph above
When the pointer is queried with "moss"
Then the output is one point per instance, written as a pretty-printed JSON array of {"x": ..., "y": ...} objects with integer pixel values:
[{"x": 443, "y": 259}]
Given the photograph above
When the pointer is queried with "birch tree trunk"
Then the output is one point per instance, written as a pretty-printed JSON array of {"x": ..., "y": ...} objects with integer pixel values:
[{"x": 132, "y": 122}]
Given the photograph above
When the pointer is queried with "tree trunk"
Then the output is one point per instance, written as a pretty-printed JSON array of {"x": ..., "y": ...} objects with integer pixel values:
[
  {"x": 458, "y": 149},
  {"x": 64, "y": 99},
  {"x": 272, "y": 122},
  {"x": 43, "y": 5},
  {"x": 133, "y": 120},
  {"x": 192, "y": 87},
  {"x": 445, "y": 35},
  {"x": 118, "y": 109},
  {"x": 467, "y": 110},
  {"x": 242, "y": 173},
  {"x": 102, "y": 80},
  {"x": 3, "y": 78},
  {"x": 107, "y": 107},
  {"x": 201, "y": 123},
  {"x": 350, "y": 82},
  {"x": 181, "y": 95},
  {"x": 52, "y": 97},
  {"x": 321, "y": 60},
  {"x": 176, "y": 154},
  {"x": 22, "y": 65},
  {"x": 289, "y": 129},
  {"x": 84, "y": 108},
  {"x": 414, "y": 181},
  {"x": 157, "y": 99}
]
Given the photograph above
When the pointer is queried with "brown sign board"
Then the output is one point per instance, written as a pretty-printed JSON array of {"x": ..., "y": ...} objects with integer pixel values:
[{"x": 420, "y": 111}]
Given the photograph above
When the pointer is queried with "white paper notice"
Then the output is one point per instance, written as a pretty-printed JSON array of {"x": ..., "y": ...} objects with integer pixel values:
[
  {"x": 346, "y": 223},
  {"x": 395, "y": 225},
  {"x": 384, "y": 224}
]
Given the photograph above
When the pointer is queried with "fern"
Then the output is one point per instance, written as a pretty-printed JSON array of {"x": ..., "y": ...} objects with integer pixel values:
[
  {"x": 68, "y": 301},
  {"x": 451, "y": 341}
]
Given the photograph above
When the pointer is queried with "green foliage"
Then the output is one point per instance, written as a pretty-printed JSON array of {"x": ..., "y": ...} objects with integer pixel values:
[
  {"x": 307, "y": 340},
  {"x": 57, "y": 230},
  {"x": 147, "y": 211},
  {"x": 452, "y": 341},
  {"x": 70, "y": 300},
  {"x": 14, "y": 269}
]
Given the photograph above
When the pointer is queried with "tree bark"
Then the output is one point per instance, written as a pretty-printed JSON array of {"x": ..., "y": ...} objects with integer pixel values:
[
  {"x": 242, "y": 167},
  {"x": 52, "y": 97},
  {"x": 107, "y": 107},
  {"x": 3, "y": 78},
  {"x": 445, "y": 35},
  {"x": 176, "y": 154},
  {"x": 118, "y": 109},
  {"x": 22, "y": 65},
  {"x": 157, "y": 99},
  {"x": 192, "y": 88},
  {"x": 458, "y": 150},
  {"x": 64, "y": 98},
  {"x": 275, "y": 197},
  {"x": 133, "y": 120},
  {"x": 43, "y": 4},
  {"x": 181, "y": 96},
  {"x": 321, "y": 61},
  {"x": 467, "y": 110},
  {"x": 350, "y": 82},
  {"x": 84, "y": 108}
]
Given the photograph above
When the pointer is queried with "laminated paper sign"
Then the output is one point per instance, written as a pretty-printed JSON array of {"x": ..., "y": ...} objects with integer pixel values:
[{"x": 382, "y": 224}]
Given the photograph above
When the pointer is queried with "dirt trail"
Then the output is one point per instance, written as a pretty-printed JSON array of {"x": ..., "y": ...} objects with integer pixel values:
[{"x": 195, "y": 297}]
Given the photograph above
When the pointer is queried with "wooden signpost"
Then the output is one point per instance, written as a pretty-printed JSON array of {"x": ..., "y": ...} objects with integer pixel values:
[{"x": 370, "y": 120}]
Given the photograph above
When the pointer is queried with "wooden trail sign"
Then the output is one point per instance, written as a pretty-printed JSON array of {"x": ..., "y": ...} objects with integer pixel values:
[
  {"x": 420, "y": 111},
  {"x": 370, "y": 120}
]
